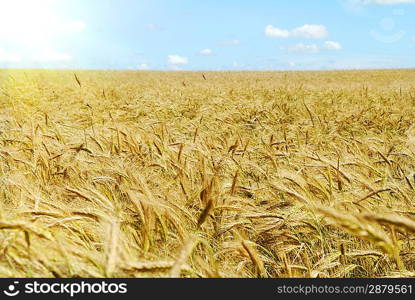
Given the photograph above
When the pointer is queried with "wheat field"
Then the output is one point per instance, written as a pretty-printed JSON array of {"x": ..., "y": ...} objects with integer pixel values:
[{"x": 214, "y": 174}]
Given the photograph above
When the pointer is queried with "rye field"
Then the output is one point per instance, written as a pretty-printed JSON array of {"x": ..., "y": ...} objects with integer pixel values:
[{"x": 213, "y": 174}]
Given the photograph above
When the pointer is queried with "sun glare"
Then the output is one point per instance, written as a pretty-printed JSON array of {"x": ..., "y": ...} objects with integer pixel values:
[
  {"x": 26, "y": 20},
  {"x": 31, "y": 29}
]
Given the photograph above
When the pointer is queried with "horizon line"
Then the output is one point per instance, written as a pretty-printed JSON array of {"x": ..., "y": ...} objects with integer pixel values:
[{"x": 201, "y": 70}]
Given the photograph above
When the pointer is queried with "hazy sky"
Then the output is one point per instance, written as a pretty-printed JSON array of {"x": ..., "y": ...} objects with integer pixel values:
[{"x": 207, "y": 35}]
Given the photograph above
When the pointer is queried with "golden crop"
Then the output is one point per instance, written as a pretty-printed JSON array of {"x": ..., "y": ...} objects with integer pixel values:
[{"x": 220, "y": 174}]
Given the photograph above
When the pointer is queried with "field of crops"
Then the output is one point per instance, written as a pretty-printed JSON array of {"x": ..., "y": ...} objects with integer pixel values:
[{"x": 215, "y": 174}]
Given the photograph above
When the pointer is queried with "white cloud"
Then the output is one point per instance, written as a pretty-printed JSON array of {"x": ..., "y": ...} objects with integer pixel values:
[
  {"x": 175, "y": 60},
  {"x": 386, "y": 2},
  {"x": 330, "y": 45},
  {"x": 206, "y": 52},
  {"x": 231, "y": 43},
  {"x": 308, "y": 31},
  {"x": 153, "y": 27},
  {"x": 314, "y": 48},
  {"x": 143, "y": 67},
  {"x": 275, "y": 32}
]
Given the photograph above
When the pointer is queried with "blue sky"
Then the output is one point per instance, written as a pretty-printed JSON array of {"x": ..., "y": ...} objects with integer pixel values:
[{"x": 207, "y": 35}]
